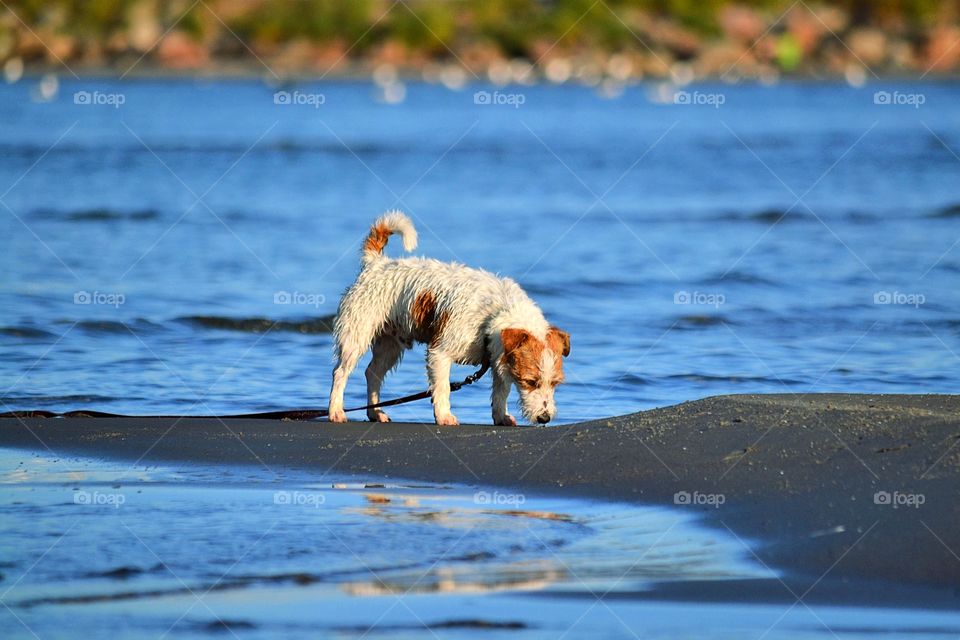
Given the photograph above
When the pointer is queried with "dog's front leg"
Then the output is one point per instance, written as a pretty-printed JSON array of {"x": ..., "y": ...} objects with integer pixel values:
[
  {"x": 438, "y": 370},
  {"x": 498, "y": 401}
]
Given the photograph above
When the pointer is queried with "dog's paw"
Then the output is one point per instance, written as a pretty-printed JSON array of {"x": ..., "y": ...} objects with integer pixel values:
[
  {"x": 506, "y": 421},
  {"x": 448, "y": 420},
  {"x": 337, "y": 415},
  {"x": 378, "y": 416}
]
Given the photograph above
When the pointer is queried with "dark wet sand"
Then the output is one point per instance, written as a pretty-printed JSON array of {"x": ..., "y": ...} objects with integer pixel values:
[{"x": 798, "y": 474}]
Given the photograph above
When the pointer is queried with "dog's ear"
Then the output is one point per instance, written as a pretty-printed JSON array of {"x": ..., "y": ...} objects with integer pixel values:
[
  {"x": 559, "y": 340},
  {"x": 512, "y": 339}
]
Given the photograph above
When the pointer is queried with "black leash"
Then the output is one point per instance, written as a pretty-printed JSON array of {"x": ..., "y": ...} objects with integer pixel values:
[{"x": 291, "y": 414}]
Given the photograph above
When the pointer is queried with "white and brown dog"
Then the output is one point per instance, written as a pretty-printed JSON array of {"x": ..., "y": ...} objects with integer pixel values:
[{"x": 463, "y": 315}]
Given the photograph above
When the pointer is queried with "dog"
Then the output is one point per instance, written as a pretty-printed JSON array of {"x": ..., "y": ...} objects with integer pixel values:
[{"x": 463, "y": 315}]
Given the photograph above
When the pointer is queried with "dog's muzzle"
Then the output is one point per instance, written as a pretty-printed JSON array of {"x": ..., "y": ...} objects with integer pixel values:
[{"x": 543, "y": 418}]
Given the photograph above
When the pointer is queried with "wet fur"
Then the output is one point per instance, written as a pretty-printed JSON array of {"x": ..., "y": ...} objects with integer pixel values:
[{"x": 453, "y": 309}]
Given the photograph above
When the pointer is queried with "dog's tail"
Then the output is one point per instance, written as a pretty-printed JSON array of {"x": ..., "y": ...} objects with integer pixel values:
[{"x": 386, "y": 225}]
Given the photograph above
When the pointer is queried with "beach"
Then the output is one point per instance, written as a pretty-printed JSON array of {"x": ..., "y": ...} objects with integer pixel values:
[
  {"x": 740, "y": 213},
  {"x": 851, "y": 498}
]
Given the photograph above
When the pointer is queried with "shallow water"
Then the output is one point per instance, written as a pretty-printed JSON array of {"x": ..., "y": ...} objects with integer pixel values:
[
  {"x": 734, "y": 249},
  {"x": 103, "y": 549}
]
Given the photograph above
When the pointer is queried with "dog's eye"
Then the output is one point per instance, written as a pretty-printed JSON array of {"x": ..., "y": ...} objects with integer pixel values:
[{"x": 529, "y": 382}]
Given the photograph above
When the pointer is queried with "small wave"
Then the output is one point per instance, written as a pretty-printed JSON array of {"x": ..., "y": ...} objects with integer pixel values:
[
  {"x": 262, "y": 325},
  {"x": 97, "y": 215},
  {"x": 282, "y": 146},
  {"x": 221, "y": 625},
  {"x": 116, "y": 326},
  {"x": 72, "y": 399},
  {"x": 605, "y": 285},
  {"x": 774, "y": 216},
  {"x": 704, "y": 377},
  {"x": 634, "y": 380},
  {"x": 737, "y": 277},
  {"x": 102, "y": 326},
  {"x": 782, "y": 216},
  {"x": 26, "y": 332},
  {"x": 473, "y": 624},
  {"x": 949, "y": 211},
  {"x": 949, "y": 324},
  {"x": 124, "y": 572},
  {"x": 695, "y": 321}
]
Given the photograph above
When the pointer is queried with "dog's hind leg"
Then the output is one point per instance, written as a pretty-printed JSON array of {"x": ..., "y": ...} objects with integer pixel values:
[
  {"x": 347, "y": 358},
  {"x": 387, "y": 351},
  {"x": 350, "y": 347}
]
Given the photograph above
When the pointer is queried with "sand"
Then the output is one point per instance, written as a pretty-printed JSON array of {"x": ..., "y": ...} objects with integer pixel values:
[{"x": 852, "y": 498}]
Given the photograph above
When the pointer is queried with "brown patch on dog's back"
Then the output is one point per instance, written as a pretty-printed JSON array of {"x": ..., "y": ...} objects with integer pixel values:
[
  {"x": 423, "y": 312},
  {"x": 428, "y": 324},
  {"x": 377, "y": 239}
]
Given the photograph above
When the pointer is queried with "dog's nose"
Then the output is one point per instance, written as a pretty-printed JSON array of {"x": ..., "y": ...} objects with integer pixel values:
[{"x": 543, "y": 418}]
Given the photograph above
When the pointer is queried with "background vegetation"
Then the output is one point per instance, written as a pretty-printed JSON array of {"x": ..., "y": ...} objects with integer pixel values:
[{"x": 351, "y": 35}]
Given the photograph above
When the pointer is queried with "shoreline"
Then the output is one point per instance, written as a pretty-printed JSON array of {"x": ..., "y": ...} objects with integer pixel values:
[{"x": 803, "y": 478}]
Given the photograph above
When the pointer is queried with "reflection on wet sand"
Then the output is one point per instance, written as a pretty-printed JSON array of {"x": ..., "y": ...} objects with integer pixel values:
[
  {"x": 521, "y": 576},
  {"x": 469, "y": 575},
  {"x": 381, "y": 505},
  {"x": 296, "y": 544}
]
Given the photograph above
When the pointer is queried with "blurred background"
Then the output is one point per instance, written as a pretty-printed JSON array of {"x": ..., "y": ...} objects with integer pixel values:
[
  {"x": 711, "y": 197},
  {"x": 519, "y": 40}
]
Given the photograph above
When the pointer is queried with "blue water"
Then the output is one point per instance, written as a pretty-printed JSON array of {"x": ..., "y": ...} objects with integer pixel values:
[
  {"x": 106, "y": 550},
  {"x": 205, "y": 199}
]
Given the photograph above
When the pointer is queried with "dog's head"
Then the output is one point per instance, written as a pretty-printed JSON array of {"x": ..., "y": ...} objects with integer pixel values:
[{"x": 536, "y": 367}]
